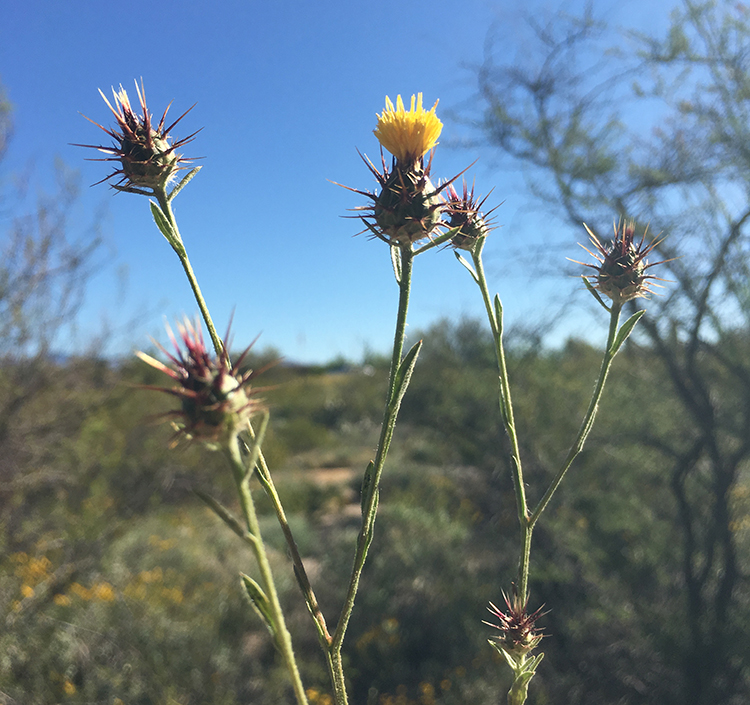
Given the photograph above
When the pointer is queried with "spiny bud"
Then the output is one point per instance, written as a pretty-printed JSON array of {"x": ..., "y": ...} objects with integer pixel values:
[
  {"x": 464, "y": 212},
  {"x": 621, "y": 269},
  {"x": 408, "y": 207},
  {"x": 215, "y": 399},
  {"x": 146, "y": 153},
  {"x": 518, "y": 635}
]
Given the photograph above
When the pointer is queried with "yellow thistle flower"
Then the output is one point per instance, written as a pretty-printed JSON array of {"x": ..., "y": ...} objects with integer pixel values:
[{"x": 408, "y": 136}]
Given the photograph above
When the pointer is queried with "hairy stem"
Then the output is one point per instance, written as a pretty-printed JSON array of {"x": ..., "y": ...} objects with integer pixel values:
[
  {"x": 178, "y": 246},
  {"x": 283, "y": 638},
  {"x": 494, "y": 315},
  {"x": 370, "y": 488},
  {"x": 266, "y": 481},
  {"x": 588, "y": 419}
]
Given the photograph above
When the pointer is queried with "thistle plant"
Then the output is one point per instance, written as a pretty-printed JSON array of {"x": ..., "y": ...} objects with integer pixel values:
[
  {"x": 219, "y": 404},
  {"x": 620, "y": 273}
]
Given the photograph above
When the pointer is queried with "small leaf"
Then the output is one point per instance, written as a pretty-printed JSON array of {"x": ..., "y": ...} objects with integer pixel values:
[
  {"x": 595, "y": 293},
  {"x": 259, "y": 601},
  {"x": 253, "y": 448},
  {"x": 625, "y": 330},
  {"x": 183, "y": 182},
  {"x": 225, "y": 515},
  {"x": 367, "y": 485},
  {"x": 164, "y": 227},
  {"x": 468, "y": 266},
  {"x": 509, "y": 659},
  {"x": 499, "y": 315},
  {"x": 396, "y": 262},
  {"x": 534, "y": 663},
  {"x": 370, "y": 532},
  {"x": 403, "y": 375},
  {"x": 435, "y": 242},
  {"x": 522, "y": 679}
]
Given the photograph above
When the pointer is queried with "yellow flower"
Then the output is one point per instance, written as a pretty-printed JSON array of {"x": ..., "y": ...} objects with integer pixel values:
[
  {"x": 104, "y": 592},
  {"x": 408, "y": 136}
]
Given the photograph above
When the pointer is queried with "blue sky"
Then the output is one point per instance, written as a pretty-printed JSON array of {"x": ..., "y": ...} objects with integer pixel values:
[{"x": 286, "y": 93}]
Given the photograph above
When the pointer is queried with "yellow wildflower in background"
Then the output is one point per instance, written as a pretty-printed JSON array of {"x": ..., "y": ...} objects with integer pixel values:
[
  {"x": 103, "y": 592},
  {"x": 408, "y": 136}
]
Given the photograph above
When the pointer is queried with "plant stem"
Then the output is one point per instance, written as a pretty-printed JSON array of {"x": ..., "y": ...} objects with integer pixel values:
[
  {"x": 178, "y": 246},
  {"x": 494, "y": 314},
  {"x": 242, "y": 478},
  {"x": 283, "y": 639},
  {"x": 588, "y": 419},
  {"x": 371, "y": 490},
  {"x": 266, "y": 481}
]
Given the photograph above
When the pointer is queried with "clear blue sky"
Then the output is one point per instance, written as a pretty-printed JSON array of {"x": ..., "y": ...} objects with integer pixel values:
[{"x": 286, "y": 92}]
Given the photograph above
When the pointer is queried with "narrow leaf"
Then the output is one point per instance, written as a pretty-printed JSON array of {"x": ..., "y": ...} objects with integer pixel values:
[
  {"x": 534, "y": 663},
  {"x": 367, "y": 485},
  {"x": 183, "y": 182},
  {"x": 396, "y": 262},
  {"x": 595, "y": 293},
  {"x": 499, "y": 315},
  {"x": 163, "y": 224},
  {"x": 225, "y": 515},
  {"x": 625, "y": 330},
  {"x": 253, "y": 448},
  {"x": 468, "y": 266},
  {"x": 403, "y": 375},
  {"x": 259, "y": 601},
  {"x": 510, "y": 660},
  {"x": 436, "y": 242}
]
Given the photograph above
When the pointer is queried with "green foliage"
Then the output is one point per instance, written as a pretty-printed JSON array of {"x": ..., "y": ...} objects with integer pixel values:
[{"x": 116, "y": 582}]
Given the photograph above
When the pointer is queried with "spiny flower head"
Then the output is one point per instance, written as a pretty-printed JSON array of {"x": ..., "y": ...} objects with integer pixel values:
[
  {"x": 518, "y": 634},
  {"x": 407, "y": 207},
  {"x": 621, "y": 269},
  {"x": 215, "y": 399},
  {"x": 465, "y": 212},
  {"x": 408, "y": 135},
  {"x": 146, "y": 152}
]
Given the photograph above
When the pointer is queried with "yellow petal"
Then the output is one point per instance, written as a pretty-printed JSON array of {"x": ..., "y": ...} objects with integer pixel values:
[{"x": 408, "y": 135}]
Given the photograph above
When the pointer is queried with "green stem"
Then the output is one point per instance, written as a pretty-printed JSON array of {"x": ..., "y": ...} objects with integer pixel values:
[
  {"x": 266, "y": 481},
  {"x": 242, "y": 476},
  {"x": 178, "y": 246},
  {"x": 283, "y": 638},
  {"x": 371, "y": 490},
  {"x": 494, "y": 314},
  {"x": 588, "y": 419}
]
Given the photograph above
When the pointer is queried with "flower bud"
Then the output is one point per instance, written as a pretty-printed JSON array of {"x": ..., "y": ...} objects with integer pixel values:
[
  {"x": 146, "y": 152},
  {"x": 408, "y": 207},
  {"x": 517, "y": 631},
  {"x": 621, "y": 269},
  {"x": 464, "y": 213},
  {"x": 215, "y": 399}
]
